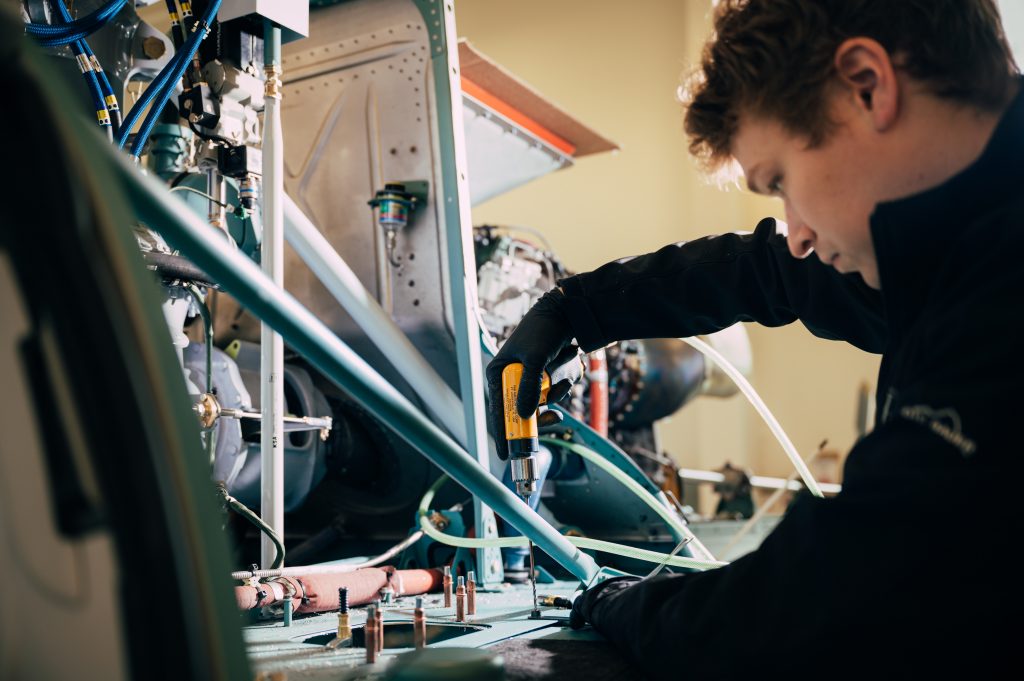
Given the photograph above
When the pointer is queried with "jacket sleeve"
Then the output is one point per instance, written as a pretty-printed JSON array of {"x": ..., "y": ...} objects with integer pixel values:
[
  {"x": 867, "y": 570},
  {"x": 709, "y": 284}
]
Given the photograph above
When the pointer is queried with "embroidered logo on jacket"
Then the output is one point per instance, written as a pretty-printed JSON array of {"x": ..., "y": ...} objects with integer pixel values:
[{"x": 943, "y": 422}]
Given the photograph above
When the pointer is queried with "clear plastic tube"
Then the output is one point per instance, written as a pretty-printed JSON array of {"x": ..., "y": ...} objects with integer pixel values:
[
  {"x": 744, "y": 385},
  {"x": 580, "y": 542}
]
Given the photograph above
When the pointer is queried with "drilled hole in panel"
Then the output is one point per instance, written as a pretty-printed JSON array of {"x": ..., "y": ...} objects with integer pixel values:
[{"x": 400, "y": 634}]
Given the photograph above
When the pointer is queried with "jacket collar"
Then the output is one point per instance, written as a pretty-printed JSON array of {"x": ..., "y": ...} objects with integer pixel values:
[{"x": 912, "y": 235}]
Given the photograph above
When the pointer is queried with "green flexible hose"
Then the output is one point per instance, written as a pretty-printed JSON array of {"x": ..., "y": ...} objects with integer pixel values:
[
  {"x": 580, "y": 542},
  {"x": 244, "y": 511}
]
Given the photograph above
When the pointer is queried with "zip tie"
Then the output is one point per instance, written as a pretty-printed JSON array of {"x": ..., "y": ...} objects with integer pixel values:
[
  {"x": 84, "y": 65},
  {"x": 95, "y": 63}
]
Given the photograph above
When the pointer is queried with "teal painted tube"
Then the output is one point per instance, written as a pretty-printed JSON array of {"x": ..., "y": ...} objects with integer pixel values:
[
  {"x": 314, "y": 341},
  {"x": 271, "y": 43}
]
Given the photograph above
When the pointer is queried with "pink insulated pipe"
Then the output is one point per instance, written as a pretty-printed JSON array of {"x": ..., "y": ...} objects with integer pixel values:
[{"x": 319, "y": 593}]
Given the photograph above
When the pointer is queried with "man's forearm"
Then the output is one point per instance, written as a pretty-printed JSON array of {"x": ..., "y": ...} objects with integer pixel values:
[{"x": 709, "y": 284}]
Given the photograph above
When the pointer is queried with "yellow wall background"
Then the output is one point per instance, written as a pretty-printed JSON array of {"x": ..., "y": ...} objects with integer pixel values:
[{"x": 616, "y": 66}]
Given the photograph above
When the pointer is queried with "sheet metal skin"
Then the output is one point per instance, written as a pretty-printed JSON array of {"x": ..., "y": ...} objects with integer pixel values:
[
  {"x": 357, "y": 113},
  {"x": 310, "y": 338},
  {"x": 438, "y": 398}
]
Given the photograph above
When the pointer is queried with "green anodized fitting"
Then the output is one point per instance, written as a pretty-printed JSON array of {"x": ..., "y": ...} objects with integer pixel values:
[
  {"x": 394, "y": 205},
  {"x": 169, "y": 150}
]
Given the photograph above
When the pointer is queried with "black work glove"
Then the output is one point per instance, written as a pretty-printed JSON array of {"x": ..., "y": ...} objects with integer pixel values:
[
  {"x": 585, "y": 604},
  {"x": 542, "y": 341}
]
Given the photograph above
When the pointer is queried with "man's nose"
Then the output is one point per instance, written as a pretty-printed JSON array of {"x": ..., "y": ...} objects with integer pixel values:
[{"x": 800, "y": 237}]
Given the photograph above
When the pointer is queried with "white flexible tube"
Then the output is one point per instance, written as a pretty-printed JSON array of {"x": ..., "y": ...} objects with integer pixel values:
[
  {"x": 758, "y": 481},
  {"x": 762, "y": 409},
  {"x": 330, "y": 568}
]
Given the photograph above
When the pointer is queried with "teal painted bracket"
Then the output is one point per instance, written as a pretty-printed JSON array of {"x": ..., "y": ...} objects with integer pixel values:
[
  {"x": 607, "y": 573},
  {"x": 543, "y": 576},
  {"x": 591, "y": 439}
]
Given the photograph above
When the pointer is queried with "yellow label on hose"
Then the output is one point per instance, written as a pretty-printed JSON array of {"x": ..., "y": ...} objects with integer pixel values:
[
  {"x": 174, "y": 18},
  {"x": 186, "y": 9},
  {"x": 112, "y": 103},
  {"x": 103, "y": 117}
]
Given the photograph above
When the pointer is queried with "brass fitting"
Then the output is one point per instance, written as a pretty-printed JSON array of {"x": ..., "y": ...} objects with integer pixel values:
[
  {"x": 208, "y": 409},
  {"x": 273, "y": 84}
]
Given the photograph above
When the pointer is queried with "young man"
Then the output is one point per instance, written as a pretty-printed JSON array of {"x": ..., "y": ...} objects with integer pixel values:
[{"x": 893, "y": 132}]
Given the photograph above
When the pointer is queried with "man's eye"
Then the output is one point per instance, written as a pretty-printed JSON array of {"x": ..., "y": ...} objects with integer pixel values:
[{"x": 775, "y": 186}]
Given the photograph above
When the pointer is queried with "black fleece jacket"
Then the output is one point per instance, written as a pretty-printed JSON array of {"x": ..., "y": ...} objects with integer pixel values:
[{"x": 908, "y": 570}]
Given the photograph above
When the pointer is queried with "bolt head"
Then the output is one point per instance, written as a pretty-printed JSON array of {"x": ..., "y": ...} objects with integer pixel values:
[{"x": 153, "y": 48}]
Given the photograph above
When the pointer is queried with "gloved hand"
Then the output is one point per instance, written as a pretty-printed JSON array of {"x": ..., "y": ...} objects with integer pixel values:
[
  {"x": 542, "y": 341},
  {"x": 584, "y": 605}
]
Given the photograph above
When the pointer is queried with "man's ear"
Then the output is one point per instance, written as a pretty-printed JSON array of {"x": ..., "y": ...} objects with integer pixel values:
[{"x": 865, "y": 70}]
